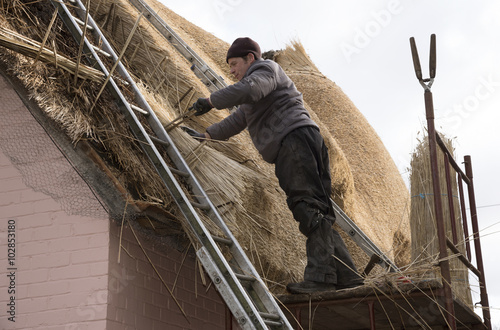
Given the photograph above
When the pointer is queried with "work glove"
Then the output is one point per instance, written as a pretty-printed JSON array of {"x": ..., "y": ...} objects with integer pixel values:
[
  {"x": 193, "y": 133},
  {"x": 202, "y": 106}
]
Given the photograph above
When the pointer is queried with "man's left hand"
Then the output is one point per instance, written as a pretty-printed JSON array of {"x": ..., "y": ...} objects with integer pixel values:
[
  {"x": 193, "y": 133},
  {"x": 202, "y": 106}
]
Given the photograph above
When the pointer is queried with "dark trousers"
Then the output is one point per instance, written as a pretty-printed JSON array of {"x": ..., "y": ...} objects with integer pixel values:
[{"x": 303, "y": 170}]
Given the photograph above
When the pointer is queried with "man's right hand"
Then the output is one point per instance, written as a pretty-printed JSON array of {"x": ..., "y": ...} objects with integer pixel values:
[
  {"x": 193, "y": 133},
  {"x": 202, "y": 106}
]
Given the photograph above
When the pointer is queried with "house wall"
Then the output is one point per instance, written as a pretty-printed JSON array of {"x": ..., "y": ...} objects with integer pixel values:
[
  {"x": 60, "y": 267},
  {"x": 139, "y": 300},
  {"x": 63, "y": 271},
  {"x": 56, "y": 275}
]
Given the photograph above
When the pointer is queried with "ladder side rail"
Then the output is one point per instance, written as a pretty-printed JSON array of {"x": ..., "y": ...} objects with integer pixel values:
[
  {"x": 159, "y": 163},
  {"x": 205, "y": 79},
  {"x": 484, "y": 300},
  {"x": 361, "y": 239},
  {"x": 181, "y": 46},
  {"x": 222, "y": 287}
]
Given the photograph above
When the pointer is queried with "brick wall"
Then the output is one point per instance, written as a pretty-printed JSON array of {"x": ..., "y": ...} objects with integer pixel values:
[{"x": 139, "y": 300}]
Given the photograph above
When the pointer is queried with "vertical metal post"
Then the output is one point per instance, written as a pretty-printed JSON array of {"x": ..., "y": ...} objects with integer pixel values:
[
  {"x": 464, "y": 216},
  {"x": 477, "y": 244},
  {"x": 451, "y": 205},
  {"x": 443, "y": 252}
]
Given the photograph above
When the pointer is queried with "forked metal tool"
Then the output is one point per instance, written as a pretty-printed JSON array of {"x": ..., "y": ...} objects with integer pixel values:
[{"x": 427, "y": 82}]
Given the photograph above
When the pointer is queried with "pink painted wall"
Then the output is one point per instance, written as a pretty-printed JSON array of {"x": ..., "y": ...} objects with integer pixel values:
[
  {"x": 60, "y": 267},
  {"x": 60, "y": 264},
  {"x": 65, "y": 272}
]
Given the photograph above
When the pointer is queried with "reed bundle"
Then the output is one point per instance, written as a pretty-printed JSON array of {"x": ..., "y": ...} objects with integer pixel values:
[
  {"x": 424, "y": 243},
  {"x": 31, "y": 48}
]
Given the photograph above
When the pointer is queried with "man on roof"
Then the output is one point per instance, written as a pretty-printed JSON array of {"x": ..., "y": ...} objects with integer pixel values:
[{"x": 272, "y": 109}]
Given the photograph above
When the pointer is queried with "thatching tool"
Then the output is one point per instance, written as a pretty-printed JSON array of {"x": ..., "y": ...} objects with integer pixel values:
[
  {"x": 179, "y": 120},
  {"x": 427, "y": 82},
  {"x": 375, "y": 259}
]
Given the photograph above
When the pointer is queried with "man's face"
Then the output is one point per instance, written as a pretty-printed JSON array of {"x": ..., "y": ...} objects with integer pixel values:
[{"x": 238, "y": 66}]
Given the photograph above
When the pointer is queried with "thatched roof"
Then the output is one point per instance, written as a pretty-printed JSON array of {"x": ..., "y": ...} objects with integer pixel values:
[{"x": 366, "y": 182}]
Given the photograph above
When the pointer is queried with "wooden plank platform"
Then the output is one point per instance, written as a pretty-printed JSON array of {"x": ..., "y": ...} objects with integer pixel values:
[{"x": 405, "y": 306}]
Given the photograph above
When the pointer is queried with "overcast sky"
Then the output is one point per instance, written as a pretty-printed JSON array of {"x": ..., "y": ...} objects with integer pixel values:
[{"x": 363, "y": 46}]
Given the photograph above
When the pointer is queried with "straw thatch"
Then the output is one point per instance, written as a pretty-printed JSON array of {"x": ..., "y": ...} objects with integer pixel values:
[
  {"x": 365, "y": 181},
  {"x": 424, "y": 242}
]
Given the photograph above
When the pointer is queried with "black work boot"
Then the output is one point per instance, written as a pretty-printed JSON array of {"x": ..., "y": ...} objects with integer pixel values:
[{"x": 310, "y": 287}]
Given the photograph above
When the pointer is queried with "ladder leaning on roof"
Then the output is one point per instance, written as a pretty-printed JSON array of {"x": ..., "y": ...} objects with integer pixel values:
[
  {"x": 239, "y": 284},
  {"x": 215, "y": 82}
]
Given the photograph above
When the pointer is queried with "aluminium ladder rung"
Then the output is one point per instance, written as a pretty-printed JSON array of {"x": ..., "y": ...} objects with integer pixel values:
[
  {"x": 82, "y": 23},
  {"x": 273, "y": 323},
  {"x": 269, "y": 316},
  {"x": 222, "y": 240},
  {"x": 136, "y": 108},
  {"x": 179, "y": 172},
  {"x": 160, "y": 141},
  {"x": 243, "y": 277},
  {"x": 201, "y": 206}
]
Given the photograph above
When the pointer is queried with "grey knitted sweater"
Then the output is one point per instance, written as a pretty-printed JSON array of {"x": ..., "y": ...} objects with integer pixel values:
[{"x": 269, "y": 106}]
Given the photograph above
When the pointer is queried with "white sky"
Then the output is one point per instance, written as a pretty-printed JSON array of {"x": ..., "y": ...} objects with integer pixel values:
[{"x": 363, "y": 46}]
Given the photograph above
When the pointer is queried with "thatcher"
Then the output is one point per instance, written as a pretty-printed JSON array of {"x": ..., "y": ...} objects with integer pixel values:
[{"x": 377, "y": 198}]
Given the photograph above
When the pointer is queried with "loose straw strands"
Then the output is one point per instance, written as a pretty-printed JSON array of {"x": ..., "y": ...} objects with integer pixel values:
[
  {"x": 117, "y": 61},
  {"x": 31, "y": 48}
]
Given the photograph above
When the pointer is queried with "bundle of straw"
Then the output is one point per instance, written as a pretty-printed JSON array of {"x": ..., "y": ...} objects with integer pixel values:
[
  {"x": 31, "y": 48},
  {"x": 424, "y": 243}
]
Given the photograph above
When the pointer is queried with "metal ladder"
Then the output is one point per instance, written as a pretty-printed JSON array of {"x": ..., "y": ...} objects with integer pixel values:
[
  {"x": 377, "y": 256},
  {"x": 243, "y": 290},
  {"x": 209, "y": 77},
  {"x": 215, "y": 82}
]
